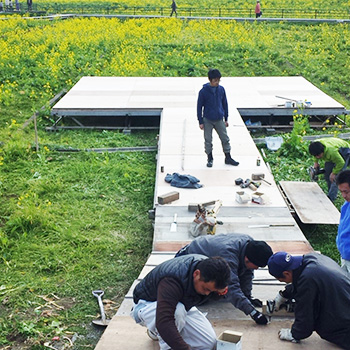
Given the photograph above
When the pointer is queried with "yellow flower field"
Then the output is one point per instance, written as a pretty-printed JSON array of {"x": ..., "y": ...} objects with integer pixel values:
[
  {"x": 39, "y": 58},
  {"x": 301, "y": 4}
]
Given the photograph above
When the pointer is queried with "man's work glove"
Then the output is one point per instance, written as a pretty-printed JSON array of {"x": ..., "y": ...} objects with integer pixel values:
[
  {"x": 256, "y": 302},
  {"x": 258, "y": 317},
  {"x": 278, "y": 301},
  {"x": 286, "y": 334}
]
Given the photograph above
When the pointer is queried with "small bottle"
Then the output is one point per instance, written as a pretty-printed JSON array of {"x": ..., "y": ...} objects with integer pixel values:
[{"x": 258, "y": 161}]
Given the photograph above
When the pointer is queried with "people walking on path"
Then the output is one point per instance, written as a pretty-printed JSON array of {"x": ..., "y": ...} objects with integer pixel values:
[
  {"x": 173, "y": 8},
  {"x": 258, "y": 12},
  {"x": 212, "y": 113}
]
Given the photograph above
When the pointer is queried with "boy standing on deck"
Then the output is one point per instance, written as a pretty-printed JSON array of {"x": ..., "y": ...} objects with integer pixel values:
[{"x": 212, "y": 113}]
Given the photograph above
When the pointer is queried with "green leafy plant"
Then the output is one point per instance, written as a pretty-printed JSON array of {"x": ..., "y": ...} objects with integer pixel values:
[{"x": 294, "y": 146}]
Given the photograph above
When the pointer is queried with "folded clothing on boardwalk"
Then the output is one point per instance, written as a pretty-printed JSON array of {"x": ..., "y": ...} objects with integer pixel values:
[{"x": 183, "y": 181}]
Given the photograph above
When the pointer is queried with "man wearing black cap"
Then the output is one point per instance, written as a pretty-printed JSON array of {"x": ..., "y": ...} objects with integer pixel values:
[
  {"x": 244, "y": 255},
  {"x": 321, "y": 290}
]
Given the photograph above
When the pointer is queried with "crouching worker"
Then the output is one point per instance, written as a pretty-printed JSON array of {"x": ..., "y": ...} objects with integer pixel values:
[
  {"x": 321, "y": 290},
  {"x": 244, "y": 255},
  {"x": 165, "y": 301}
]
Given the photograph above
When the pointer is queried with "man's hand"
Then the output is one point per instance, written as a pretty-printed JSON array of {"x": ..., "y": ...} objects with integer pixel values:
[
  {"x": 256, "y": 302},
  {"x": 258, "y": 317},
  {"x": 286, "y": 334},
  {"x": 201, "y": 126},
  {"x": 226, "y": 123},
  {"x": 278, "y": 301},
  {"x": 332, "y": 177},
  {"x": 316, "y": 165}
]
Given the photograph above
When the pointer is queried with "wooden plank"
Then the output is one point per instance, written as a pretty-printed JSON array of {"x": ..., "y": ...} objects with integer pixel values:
[
  {"x": 310, "y": 203},
  {"x": 124, "y": 333}
]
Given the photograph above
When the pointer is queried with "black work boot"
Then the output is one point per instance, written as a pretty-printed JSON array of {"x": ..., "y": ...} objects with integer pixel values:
[
  {"x": 210, "y": 160},
  {"x": 229, "y": 160}
]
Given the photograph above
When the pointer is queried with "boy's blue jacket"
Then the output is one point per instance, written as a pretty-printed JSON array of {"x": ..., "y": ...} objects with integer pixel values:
[
  {"x": 343, "y": 237},
  {"x": 212, "y": 103}
]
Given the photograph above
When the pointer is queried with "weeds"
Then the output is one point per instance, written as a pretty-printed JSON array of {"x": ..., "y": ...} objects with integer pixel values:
[
  {"x": 294, "y": 146},
  {"x": 69, "y": 225},
  {"x": 291, "y": 163}
]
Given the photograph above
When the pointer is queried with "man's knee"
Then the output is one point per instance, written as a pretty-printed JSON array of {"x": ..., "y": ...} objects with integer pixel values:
[
  {"x": 210, "y": 342},
  {"x": 180, "y": 316}
]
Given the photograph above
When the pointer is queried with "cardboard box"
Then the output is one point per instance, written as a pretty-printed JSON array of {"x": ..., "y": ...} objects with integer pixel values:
[
  {"x": 258, "y": 197},
  {"x": 242, "y": 197},
  {"x": 229, "y": 340}
]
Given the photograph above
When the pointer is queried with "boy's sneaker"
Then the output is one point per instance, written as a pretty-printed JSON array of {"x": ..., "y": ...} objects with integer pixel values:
[
  {"x": 152, "y": 335},
  {"x": 231, "y": 161}
]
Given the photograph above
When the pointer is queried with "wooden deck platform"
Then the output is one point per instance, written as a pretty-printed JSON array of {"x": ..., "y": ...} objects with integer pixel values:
[{"x": 181, "y": 150}]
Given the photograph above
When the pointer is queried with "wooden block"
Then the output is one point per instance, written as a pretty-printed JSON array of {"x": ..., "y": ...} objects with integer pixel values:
[
  {"x": 205, "y": 204},
  {"x": 194, "y": 206},
  {"x": 169, "y": 197}
]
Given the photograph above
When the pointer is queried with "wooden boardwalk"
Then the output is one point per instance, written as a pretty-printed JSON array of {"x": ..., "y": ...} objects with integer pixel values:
[{"x": 181, "y": 150}]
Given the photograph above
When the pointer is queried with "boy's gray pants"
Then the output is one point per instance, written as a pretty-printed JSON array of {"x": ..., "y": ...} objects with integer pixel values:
[{"x": 220, "y": 128}]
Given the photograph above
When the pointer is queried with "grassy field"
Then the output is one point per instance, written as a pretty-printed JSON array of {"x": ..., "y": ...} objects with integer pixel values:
[{"x": 73, "y": 222}]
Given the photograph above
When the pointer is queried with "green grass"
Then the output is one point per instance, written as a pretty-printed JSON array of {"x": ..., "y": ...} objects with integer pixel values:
[
  {"x": 71, "y": 223},
  {"x": 74, "y": 222}
]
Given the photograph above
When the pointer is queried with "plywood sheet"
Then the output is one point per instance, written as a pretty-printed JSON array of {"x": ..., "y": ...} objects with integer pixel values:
[
  {"x": 146, "y": 92},
  {"x": 123, "y": 333},
  {"x": 310, "y": 202}
]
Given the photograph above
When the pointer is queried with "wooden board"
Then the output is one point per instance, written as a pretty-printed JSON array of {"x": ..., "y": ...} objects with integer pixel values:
[
  {"x": 310, "y": 203},
  {"x": 123, "y": 333}
]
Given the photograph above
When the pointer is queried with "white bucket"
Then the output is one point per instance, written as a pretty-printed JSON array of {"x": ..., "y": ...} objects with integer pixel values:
[
  {"x": 289, "y": 104},
  {"x": 273, "y": 143}
]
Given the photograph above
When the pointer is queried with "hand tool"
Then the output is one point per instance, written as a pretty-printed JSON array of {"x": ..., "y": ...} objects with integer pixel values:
[
  {"x": 173, "y": 227},
  {"x": 314, "y": 172},
  {"x": 271, "y": 225},
  {"x": 103, "y": 321},
  {"x": 260, "y": 176}
]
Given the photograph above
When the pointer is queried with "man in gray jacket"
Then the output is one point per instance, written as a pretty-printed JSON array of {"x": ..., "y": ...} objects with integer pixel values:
[
  {"x": 244, "y": 255},
  {"x": 321, "y": 289}
]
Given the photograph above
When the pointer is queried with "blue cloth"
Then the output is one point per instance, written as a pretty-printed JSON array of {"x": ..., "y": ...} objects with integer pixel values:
[
  {"x": 212, "y": 103},
  {"x": 183, "y": 181},
  {"x": 343, "y": 237}
]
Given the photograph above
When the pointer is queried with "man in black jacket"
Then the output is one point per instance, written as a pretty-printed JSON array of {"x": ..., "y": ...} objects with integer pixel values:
[
  {"x": 165, "y": 301},
  {"x": 244, "y": 255},
  {"x": 321, "y": 290}
]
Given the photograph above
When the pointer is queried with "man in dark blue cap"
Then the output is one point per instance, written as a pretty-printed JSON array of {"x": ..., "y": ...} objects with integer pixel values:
[{"x": 321, "y": 290}]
